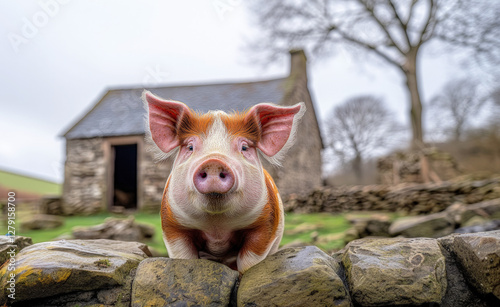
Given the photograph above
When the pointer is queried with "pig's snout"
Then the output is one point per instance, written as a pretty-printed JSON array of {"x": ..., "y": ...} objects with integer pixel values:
[{"x": 213, "y": 177}]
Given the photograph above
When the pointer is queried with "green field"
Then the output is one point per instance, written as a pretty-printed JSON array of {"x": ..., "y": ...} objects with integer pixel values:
[
  {"x": 72, "y": 221},
  {"x": 298, "y": 227},
  {"x": 28, "y": 184},
  {"x": 328, "y": 229}
]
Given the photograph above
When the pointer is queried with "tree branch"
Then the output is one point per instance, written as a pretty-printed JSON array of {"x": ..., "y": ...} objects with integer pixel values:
[
  {"x": 383, "y": 27},
  {"x": 410, "y": 12},
  {"x": 404, "y": 26},
  {"x": 368, "y": 46},
  {"x": 428, "y": 20}
]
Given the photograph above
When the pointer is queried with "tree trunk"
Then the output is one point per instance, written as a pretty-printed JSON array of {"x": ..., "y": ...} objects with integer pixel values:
[
  {"x": 417, "y": 143},
  {"x": 357, "y": 166},
  {"x": 410, "y": 71}
]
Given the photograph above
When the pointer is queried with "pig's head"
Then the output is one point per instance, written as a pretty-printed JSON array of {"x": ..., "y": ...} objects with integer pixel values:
[{"x": 217, "y": 169}]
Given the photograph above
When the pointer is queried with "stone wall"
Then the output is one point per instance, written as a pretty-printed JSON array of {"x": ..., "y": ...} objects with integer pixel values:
[
  {"x": 84, "y": 189},
  {"x": 154, "y": 179},
  {"x": 301, "y": 171},
  {"x": 455, "y": 271},
  {"x": 406, "y": 198}
]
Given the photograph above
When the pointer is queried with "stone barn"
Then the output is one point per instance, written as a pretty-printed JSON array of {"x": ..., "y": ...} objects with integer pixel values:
[{"x": 108, "y": 164}]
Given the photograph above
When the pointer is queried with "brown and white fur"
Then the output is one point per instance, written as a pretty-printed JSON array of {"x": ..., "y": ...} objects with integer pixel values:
[{"x": 219, "y": 203}]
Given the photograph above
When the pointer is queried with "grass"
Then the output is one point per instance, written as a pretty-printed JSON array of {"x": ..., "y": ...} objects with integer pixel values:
[
  {"x": 71, "y": 221},
  {"x": 298, "y": 227},
  {"x": 328, "y": 229},
  {"x": 28, "y": 184}
]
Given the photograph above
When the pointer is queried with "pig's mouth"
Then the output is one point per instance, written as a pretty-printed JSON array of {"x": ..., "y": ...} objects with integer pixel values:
[
  {"x": 215, "y": 195},
  {"x": 216, "y": 203}
]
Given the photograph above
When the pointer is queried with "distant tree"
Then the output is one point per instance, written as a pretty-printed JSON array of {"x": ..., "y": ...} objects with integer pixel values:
[
  {"x": 495, "y": 96},
  {"x": 393, "y": 30},
  {"x": 359, "y": 127},
  {"x": 457, "y": 105},
  {"x": 495, "y": 114}
]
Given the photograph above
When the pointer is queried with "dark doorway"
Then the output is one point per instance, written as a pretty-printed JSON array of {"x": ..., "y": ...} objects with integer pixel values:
[{"x": 125, "y": 176}]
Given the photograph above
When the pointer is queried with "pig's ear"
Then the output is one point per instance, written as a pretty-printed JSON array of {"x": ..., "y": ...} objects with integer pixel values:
[
  {"x": 162, "y": 121},
  {"x": 278, "y": 126}
]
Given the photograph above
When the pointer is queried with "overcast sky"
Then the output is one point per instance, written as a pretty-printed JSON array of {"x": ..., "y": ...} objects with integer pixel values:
[{"x": 59, "y": 57}]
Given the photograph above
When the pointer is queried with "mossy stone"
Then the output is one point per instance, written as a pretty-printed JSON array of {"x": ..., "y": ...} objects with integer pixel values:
[
  {"x": 395, "y": 271},
  {"x": 303, "y": 276},
  {"x": 183, "y": 282},
  {"x": 59, "y": 267}
]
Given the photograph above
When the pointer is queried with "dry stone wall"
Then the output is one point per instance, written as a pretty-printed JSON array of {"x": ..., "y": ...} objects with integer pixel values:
[
  {"x": 84, "y": 177},
  {"x": 457, "y": 270},
  {"x": 407, "y": 198},
  {"x": 154, "y": 177}
]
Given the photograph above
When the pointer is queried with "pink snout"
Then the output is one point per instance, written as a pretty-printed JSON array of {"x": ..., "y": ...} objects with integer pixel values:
[{"x": 213, "y": 176}]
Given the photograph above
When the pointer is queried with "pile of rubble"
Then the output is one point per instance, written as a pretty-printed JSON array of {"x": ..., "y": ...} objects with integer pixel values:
[
  {"x": 116, "y": 229},
  {"x": 458, "y": 218}
]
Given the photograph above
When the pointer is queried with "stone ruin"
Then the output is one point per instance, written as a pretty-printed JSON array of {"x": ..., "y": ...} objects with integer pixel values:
[
  {"x": 407, "y": 166},
  {"x": 457, "y": 270}
]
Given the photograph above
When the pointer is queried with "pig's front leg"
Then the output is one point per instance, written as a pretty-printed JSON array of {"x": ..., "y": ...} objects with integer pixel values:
[
  {"x": 256, "y": 248},
  {"x": 180, "y": 247}
]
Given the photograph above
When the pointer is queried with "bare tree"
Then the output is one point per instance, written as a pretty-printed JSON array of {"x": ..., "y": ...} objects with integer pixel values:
[
  {"x": 457, "y": 104},
  {"x": 393, "y": 30},
  {"x": 495, "y": 112},
  {"x": 358, "y": 128}
]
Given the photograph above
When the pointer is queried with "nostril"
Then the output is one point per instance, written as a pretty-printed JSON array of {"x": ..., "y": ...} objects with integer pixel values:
[{"x": 214, "y": 176}]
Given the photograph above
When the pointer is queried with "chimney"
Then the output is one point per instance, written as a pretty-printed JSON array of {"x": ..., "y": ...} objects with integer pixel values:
[{"x": 298, "y": 63}]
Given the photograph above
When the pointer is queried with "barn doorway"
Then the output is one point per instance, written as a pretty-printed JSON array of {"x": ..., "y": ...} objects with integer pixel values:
[{"x": 125, "y": 176}]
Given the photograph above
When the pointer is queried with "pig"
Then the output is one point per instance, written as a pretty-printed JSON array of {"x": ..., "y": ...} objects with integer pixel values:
[{"x": 219, "y": 203}]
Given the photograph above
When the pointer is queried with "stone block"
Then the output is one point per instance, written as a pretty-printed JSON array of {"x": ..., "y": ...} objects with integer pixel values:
[
  {"x": 60, "y": 267},
  {"x": 42, "y": 221},
  {"x": 51, "y": 205},
  {"x": 395, "y": 271},
  {"x": 294, "y": 277},
  {"x": 487, "y": 209},
  {"x": 183, "y": 282},
  {"x": 116, "y": 229},
  {"x": 479, "y": 255},
  {"x": 458, "y": 292},
  {"x": 7, "y": 243},
  {"x": 432, "y": 226}
]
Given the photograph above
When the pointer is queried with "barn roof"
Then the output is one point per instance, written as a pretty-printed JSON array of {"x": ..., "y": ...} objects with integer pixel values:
[{"x": 120, "y": 111}]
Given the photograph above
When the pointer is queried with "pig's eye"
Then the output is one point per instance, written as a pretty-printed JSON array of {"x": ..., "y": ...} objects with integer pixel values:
[
  {"x": 190, "y": 147},
  {"x": 244, "y": 147}
]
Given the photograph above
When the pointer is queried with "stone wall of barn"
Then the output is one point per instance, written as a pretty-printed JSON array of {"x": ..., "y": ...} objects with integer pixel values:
[
  {"x": 85, "y": 178},
  {"x": 84, "y": 186},
  {"x": 301, "y": 171},
  {"x": 154, "y": 179}
]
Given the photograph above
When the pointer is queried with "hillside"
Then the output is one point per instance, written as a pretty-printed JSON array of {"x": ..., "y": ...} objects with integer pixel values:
[{"x": 26, "y": 186}]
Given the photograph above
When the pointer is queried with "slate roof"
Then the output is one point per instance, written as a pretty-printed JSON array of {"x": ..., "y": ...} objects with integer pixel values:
[{"x": 120, "y": 111}]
